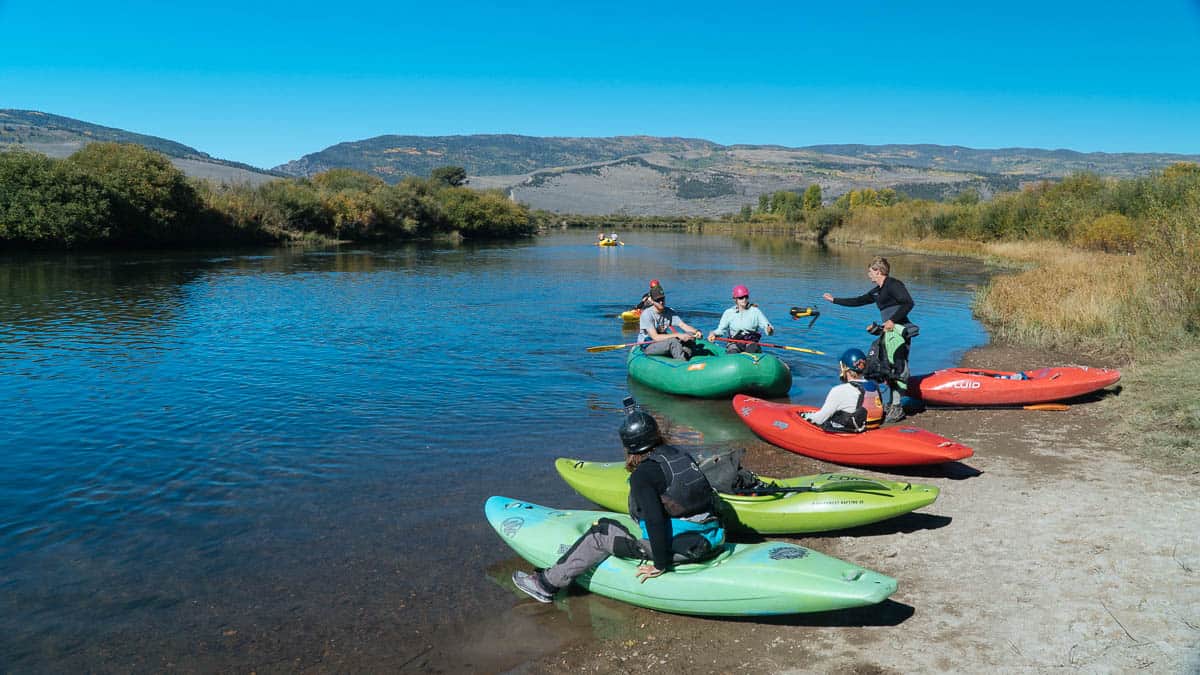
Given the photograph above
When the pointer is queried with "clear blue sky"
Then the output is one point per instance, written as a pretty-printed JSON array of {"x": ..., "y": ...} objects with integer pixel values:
[{"x": 267, "y": 82}]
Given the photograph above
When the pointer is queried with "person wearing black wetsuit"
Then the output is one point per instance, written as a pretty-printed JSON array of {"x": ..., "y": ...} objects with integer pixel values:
[
  {"x": 669, "y": 497},
  {"x": 894, "y": 303}
]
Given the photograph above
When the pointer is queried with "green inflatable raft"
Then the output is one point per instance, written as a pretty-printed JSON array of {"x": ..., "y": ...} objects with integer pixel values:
[
  {"x": 828, "y": 501},
  {"x": 767, "y": 578},
  {"x": 715, "y": 375}
]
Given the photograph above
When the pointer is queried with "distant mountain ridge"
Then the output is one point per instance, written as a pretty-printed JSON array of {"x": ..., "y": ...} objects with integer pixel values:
[
  {"x": 393, "y": 157},
  {"x": 633, "y": 175},
  {"x": 645, "y": 175},
  {"x": 59, "y": 136}
]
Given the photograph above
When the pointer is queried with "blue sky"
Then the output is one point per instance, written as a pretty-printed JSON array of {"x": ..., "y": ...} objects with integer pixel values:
[{"x": 267, "y": 82}]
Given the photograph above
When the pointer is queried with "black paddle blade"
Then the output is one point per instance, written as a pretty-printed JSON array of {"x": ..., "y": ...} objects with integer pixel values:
[{"x": 801, "y": 312}]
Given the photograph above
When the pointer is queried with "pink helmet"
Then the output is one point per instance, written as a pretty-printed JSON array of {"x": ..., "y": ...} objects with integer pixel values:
[{"x": 740, "y": 290}]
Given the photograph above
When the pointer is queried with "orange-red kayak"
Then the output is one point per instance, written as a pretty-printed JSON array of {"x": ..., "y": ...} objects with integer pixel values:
[
  {"x": 977, "y": 386},
  {"x": 780, "y": 424}
]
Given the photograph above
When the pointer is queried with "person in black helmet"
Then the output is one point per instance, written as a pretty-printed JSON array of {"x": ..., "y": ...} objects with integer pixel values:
[
  {"x": 668, "y": 496},
  {"x": 843, "y": 410}
]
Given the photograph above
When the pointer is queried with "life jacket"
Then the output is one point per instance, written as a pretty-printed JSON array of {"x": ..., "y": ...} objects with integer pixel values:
[
  {"x": 856, "y": 421},
  {"x": 688, "y": 495},
  {"x": 887, "y": 359}
]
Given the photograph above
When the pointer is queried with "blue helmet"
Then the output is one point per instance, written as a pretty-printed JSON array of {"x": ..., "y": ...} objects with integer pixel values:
[{"x": 854, "y": 359}]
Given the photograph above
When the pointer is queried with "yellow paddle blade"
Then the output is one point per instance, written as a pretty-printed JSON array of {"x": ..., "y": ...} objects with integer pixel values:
[
  {"x": 1048, "y": 406},
  {"x": 806, "y": 351},
  {"x": 608, "y": 348}
]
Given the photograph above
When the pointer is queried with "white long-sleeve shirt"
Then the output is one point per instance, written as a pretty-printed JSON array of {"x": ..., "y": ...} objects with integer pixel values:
[{"x": 843, "y": 397}]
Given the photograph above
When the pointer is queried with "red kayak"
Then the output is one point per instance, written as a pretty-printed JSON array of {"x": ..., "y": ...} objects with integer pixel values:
[
  {"x": 977, "y": 386},
  {"x": 780, "y": 424}
]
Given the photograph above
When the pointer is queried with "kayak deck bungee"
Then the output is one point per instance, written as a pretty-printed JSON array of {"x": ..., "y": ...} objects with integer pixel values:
[
  {"x": 980, "y": 386},
  {"x": 715, "y": 375},
  {"x": 780, "y": 424},
  {"x": 768, "y": 578},
  {"x": 833, "y": 502}
]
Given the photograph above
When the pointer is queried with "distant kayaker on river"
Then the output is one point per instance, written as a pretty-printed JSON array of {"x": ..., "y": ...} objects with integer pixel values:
[
  {"x": 668, "y": 496},
  {"x": 743, "y": 321},
  {"x": 894, "y": 302},
  {"x": 655, "y": 325}
]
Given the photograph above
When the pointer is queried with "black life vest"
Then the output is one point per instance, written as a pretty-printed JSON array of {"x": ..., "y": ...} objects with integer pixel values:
[
  {"x": 882, "y": 366},
  {"x": 856, "y": 421},
  {"x": 688, "y": 492}
]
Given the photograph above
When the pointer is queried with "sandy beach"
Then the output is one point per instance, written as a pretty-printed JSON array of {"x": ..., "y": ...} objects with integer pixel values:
[{"x": 1053, "y": 548}]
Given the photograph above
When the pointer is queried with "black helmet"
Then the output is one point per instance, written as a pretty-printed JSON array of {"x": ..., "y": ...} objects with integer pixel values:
[
  {"x": 854, "y": 359},
  {"x": 639, "y": 432}
]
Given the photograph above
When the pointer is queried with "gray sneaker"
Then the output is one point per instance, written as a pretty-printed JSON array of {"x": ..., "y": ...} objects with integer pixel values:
[
  {"x": 532, "y": 587},
  {"x": 894, "y": 414}
]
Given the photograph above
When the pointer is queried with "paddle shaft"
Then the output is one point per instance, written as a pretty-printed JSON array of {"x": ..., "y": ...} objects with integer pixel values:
[
  {"x": 768, "y": 344},
  {"x": 776, "y": 490},
  {"x": 609, "y": 348}
]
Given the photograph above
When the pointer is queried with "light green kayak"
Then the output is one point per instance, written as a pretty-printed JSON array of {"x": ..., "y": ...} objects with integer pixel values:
[
  {"x": 833, "y": 501},
  {"x": 741, "y": 580},
  {"x": 718, "y": 376}
]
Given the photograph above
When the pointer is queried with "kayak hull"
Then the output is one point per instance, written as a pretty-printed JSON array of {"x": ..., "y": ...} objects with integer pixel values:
[
  {"x": 717, "y": 376},
  {"x": 607, "y": 484},
  {"x": 979, "y": 386},
  {"x": 768, "y": 578},
  {"x": 780, "y": 424},
  {"x": 631, "y": 315}
]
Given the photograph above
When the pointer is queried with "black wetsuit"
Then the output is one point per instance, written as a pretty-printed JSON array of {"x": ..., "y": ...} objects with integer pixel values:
[{"x": 892, "y": 298}]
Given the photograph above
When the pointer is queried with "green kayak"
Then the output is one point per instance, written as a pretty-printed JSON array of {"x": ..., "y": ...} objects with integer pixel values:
[
  {"x": 767, "y": 578},
  {"x": 832, "y": 501},
  {"x": 718, "y": 375}
]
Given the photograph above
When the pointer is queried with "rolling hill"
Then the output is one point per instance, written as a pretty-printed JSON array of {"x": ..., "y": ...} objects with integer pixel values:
[
  {"x": 643, "y": 175},
  {"x": 58, "y": 136},
  {"x": 634, "y": 175}
]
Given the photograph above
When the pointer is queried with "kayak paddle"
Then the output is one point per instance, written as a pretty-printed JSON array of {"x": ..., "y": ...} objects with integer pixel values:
[
  {"x": 801, "y": 312},
  {"x": 843, "y": 483},
  {"x": 609, "y": 348},
  {"x": 768, "y": 344}
]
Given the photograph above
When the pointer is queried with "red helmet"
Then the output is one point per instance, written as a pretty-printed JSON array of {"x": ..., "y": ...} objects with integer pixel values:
[
  {"x": 740, "y": 291},
  {"x": 654, "y": 282}
]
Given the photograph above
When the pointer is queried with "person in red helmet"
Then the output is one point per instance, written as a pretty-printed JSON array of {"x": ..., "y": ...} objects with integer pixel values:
[
  {"x": 743, "y": 321},
  {"x": 645, "y": 302}
]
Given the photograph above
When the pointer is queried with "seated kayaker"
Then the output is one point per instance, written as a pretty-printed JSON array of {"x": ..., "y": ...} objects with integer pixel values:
[
  {"x": 668, "y": 496},
  {"x": 743, "y": 321},
  {"x": 843, "y": 411},
  {"x": 654, "y": 329},
  {"x": 645, "y": 301}
]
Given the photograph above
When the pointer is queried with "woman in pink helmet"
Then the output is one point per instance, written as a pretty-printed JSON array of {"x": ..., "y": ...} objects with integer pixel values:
[{"x": 743, "y": 321}]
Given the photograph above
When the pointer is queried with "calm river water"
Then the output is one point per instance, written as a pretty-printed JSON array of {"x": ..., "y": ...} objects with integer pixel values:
[{"x": 278, "y": 461}]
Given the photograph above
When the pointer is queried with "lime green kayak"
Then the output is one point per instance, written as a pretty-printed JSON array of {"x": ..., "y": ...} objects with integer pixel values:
[
  {"x": 717, "y": 376},
  {"x": 832, "y": 501},
  {"x": 767, "y": 578}
]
